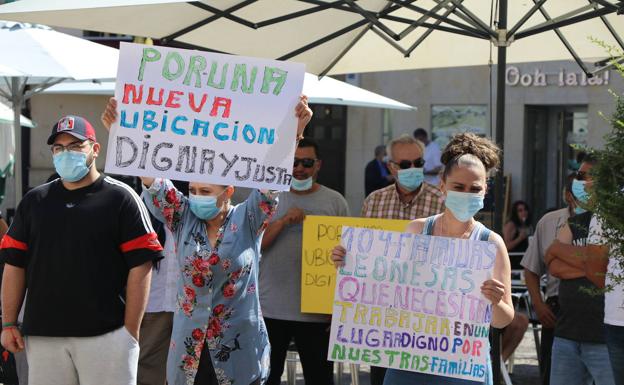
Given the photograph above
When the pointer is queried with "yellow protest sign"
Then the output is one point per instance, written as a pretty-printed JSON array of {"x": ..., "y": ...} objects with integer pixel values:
[{"x": 318, "y": 275}]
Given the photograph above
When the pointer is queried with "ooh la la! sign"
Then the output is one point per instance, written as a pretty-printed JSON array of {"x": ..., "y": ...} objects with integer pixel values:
[
  {"x": 198, "y": 116},
  {"x": 413, "y": 302},
  {"x": 515, "y": 77}
]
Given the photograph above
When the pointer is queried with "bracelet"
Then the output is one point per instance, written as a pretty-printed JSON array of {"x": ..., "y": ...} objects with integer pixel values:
[
  {"x": 8, "y": 324},
  {"x": 9, "y": 327}
]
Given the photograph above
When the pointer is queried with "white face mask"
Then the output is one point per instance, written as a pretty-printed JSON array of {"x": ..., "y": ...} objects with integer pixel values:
[{"x": 302, "y": 185}]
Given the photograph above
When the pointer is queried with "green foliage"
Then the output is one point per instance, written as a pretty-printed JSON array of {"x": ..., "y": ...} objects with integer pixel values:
[{"x": 608, "y": 175}]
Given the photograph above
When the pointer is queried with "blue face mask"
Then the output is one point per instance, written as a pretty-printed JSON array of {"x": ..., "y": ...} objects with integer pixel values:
[
  {"x": 579, "y": 210},
  {"x": 411, "y": 178},
  {"x": 578, "y": 190},
  {"x": 204, "y": 207},
  {"x": 71, "y": 165},
  {"x": 301, "y": 185},
  {"x": 463, "y": 206}
]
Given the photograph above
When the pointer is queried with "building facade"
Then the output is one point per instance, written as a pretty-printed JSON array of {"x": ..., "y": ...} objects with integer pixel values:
[{"x": 552, "y": 112}]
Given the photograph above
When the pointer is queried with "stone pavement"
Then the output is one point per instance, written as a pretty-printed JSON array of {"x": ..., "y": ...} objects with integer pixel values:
[{"x": 525, "y": 371}]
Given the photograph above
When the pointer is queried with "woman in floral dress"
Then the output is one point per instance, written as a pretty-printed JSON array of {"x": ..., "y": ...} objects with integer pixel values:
[{"x": 219, "y": 336}]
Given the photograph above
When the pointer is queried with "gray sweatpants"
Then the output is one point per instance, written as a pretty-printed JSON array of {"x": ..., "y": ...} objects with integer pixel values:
[{"x": 108, "y": 359}]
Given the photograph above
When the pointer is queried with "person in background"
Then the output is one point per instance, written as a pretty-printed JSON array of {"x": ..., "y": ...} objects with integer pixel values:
[
  {"x": 467, "y": 159},
  {"x": 84, "y": 247},
  {"x": 433, "y": 165},
  {"x": 535, "y": 267},
  {"x": 516, "y": 235},
  {"x": 579, "y": 351},
  {"x": 518, "y": 228},
  {"x": 408, "y": 198},
  {"x": 376, "y": 174},
  {"x": 280, "y": 271}
]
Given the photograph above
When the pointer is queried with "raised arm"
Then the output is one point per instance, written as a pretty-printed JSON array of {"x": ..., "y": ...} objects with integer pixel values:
[
  {"x": 108, "y": 117},
  {"x": 165, "y": 202}
]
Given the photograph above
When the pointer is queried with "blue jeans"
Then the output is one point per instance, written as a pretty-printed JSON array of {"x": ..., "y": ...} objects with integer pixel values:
[
  {"x": 578, "y": 363},
  {"x": 615, "y": 344}
]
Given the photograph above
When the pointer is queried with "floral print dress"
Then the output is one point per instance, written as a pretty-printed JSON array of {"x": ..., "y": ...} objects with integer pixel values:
[{"x": 218, "y": 301}]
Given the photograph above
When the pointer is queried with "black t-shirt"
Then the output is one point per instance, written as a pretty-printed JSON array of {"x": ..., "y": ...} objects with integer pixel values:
[
  {"x": 581, "y": 313},
  {"x": 77, "y": 247}
]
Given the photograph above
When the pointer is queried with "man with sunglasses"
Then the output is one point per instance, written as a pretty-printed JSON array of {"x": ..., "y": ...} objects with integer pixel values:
[
  {"x": 408, "y": 198},
  {"x": 280, "y": 271},
  {"x": 579, "y": 351},
  {"x": 83, "y": 245}
]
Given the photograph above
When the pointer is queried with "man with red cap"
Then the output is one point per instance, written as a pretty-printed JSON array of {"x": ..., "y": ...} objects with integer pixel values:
[{"x": 84, "y": 246}]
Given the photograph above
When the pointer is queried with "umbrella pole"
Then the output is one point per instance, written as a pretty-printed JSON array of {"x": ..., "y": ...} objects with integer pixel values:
[
  {"x": 499, "y": 188},
  {"x": 17, "y": 131}
]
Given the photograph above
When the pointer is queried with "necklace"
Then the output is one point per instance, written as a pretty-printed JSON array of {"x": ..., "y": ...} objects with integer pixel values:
[
  {"x": 464, "y": 234},
  {"x": 220, "y": 233}
]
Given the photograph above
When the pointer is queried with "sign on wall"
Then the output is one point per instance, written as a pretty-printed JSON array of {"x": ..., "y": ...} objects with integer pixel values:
[
  {"x": 199, "y": 116},
  {"x": 318, "y": 274},
  {"x": 448, "y": 120},
  {"x": 412, "y": 302}
]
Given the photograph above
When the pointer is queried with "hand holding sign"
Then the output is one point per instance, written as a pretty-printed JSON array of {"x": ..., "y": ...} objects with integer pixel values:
[
  {"x": 303, "y": 114},
  {"x": 109, "y": 116},
  {"x": 338, "y": 256},
  {"x": 493, "y": 290}
]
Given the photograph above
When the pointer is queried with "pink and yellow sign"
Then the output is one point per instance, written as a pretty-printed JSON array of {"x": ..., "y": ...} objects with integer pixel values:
[{"x": 413, "y": 302}]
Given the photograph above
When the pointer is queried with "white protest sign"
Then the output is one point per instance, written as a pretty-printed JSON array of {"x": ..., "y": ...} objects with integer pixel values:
[
  {"x": 413, "y": 302},
  {"x": 205, "y": 117}
]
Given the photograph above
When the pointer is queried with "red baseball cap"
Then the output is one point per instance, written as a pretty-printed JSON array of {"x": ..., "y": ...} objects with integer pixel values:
[{"x": 73, "y": 125}]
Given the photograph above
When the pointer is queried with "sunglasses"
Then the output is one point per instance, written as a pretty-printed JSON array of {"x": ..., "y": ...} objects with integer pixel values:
[
  {"x": 405, "y": 164},
  {"x": 305, "y": 162}
]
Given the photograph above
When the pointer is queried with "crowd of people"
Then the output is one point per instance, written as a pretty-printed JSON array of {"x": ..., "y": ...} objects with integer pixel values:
[{"x": 191, "y": 289}]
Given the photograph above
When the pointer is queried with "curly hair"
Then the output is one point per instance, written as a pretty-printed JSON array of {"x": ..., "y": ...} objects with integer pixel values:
[{"x": 470, "y": 149}]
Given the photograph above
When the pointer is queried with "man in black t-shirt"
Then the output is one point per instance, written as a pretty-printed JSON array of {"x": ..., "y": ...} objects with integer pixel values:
[
  {"x": 579, "y": 352},
  {"x": 84, "y": 246}
]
